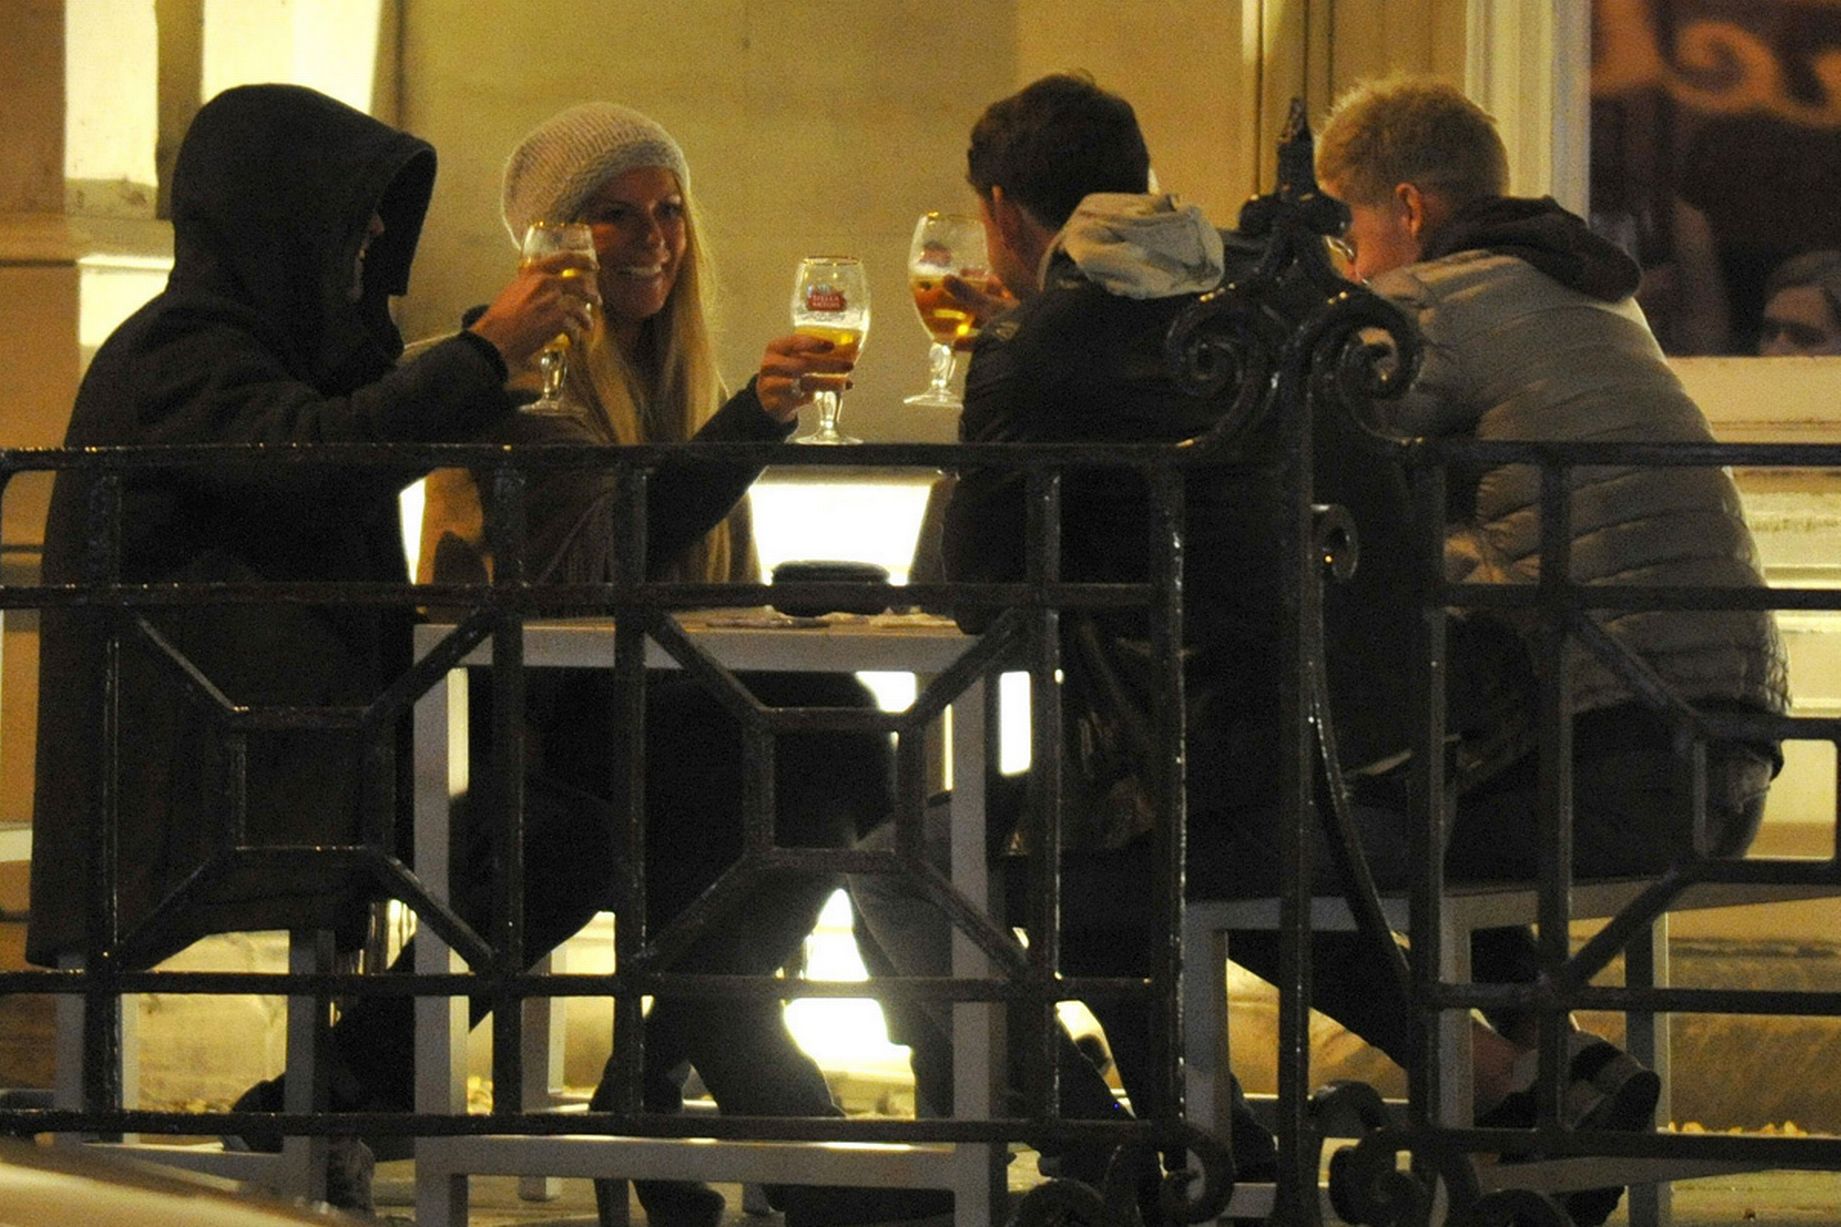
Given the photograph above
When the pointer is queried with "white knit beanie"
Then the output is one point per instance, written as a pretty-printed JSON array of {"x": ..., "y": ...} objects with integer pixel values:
[{"x": 563, "y": 161}]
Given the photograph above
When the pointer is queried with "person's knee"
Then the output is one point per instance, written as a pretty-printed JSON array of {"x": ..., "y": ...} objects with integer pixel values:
[{"x": 1738, "y": 779}]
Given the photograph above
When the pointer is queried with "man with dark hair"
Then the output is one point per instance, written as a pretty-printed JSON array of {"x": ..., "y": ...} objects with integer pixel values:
[
  {"x": 1053, "y": 143},
  {"x": 1100, "y": 268},
  {"x": 1802, "y": 306}
]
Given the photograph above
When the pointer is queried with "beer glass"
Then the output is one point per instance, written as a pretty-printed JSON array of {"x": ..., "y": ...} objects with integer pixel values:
[
  {"x": 945, "y": 244},
  {"x": 541, "y": 240},
  {"x": 831, "y": 300}
]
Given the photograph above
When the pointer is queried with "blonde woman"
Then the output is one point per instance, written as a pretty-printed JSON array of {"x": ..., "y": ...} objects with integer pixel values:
[{"x": 646, "y": 373}]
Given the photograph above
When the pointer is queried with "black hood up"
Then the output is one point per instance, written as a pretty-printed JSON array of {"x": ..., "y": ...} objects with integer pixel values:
[
  {"x": 1556, "y": 242},
  {"x": 272, "y": 192}
]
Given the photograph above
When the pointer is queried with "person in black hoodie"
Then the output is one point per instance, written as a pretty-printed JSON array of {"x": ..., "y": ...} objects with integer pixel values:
[
  {"x": 1531, "y": 333},
  {"x": 295, "y": 219}
]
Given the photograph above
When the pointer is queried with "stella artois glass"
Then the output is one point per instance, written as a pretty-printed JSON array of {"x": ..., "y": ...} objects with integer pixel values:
[
  {"x": 945, "y": 245},
  {"x": 831, "y": 300},
  {"x": 541, "y": 240}
]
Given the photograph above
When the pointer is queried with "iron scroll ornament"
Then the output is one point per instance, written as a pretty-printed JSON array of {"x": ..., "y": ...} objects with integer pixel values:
[
  {"x": 1070, "y": 1203},
  {"x": 1368, "y": 1187},
  {"x": 1286, "y": 342},
  {"x": 1291, "y": 315}
]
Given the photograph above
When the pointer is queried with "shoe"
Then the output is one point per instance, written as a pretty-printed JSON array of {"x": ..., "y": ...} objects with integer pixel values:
[
  {"x": 262, "y": 1097},
  {"x": 1609, "y": 1090},
  {"x": 814, "y": 1205},
  {"x": 350, "y": 1163},
  {"x": 271, "y": 1096},
  {"x": 667, "y": 1203},
  {"x": 1628, "y": 1095},
  {"x": 1254, "y": 1148}
]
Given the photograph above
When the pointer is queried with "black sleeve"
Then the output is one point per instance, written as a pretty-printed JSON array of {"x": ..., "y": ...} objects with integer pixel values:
[
  {"x": 685, "y": 500},
  {"x": 570, "y": 511},
  {"x": 985, "y": 518},
  {"x": 220, "y": 384},
  {"x": 217, "y": 383}
]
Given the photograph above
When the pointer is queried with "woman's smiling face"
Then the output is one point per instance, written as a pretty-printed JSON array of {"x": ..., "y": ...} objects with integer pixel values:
[{"x": 640, "y": 237}]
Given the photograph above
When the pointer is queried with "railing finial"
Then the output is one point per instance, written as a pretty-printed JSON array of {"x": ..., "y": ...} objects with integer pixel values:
[{"x": 1296, "y": 194}]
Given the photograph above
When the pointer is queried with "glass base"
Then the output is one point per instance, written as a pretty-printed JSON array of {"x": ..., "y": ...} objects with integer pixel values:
[
  {"x": 934, "y": 399},
  {"x": 826, "y": 439},
  {"x": 548, "y": 408}
]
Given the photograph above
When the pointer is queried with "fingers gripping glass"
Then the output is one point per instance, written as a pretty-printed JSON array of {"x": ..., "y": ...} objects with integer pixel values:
[
  {"x": 831, "y": 300},
  {"x": 541, "y": 241},
  {"x": 945, "y": 245}
]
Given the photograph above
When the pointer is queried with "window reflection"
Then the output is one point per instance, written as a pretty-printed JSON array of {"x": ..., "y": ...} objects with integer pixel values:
[{"x": 1716, "y": 155}]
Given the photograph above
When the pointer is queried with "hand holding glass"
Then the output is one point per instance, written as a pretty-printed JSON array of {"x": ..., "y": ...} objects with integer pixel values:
[
  {"x": 945, "y": 245},
  {"x": 831, "y": 300},
  {"x": 542, "y": 240}
]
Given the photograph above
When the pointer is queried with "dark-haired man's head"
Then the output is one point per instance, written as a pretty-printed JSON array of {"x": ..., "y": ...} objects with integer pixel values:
[
  {"x": 1036, "y": 154},
  {"x": 1054, "y": 142}
]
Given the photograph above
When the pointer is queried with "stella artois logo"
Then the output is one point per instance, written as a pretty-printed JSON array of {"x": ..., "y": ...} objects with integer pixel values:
[{"x": 823, "y": 297}]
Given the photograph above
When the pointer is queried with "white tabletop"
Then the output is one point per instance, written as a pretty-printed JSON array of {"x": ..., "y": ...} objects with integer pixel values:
[{"x": 748, "y": 639}]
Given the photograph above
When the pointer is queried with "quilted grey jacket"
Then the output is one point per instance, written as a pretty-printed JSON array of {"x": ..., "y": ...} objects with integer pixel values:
[{"x": 1513, "y": 354}]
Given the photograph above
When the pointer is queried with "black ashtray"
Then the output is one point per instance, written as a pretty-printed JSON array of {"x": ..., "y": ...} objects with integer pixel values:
[{"x": 813, "y": 572}]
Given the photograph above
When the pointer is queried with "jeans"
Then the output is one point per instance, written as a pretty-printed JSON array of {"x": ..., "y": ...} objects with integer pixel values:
[
  {"x": 826, "y": 785},
  {"x": 1630, "y": 817}
]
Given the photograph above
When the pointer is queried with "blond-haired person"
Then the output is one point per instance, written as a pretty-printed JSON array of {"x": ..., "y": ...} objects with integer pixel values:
[
  {"x": 646, "y": 372},
  {"x": 1531, "y": 333}
]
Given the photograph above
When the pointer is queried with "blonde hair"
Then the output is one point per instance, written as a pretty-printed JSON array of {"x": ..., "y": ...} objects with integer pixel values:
[
  {"x": 665, "y": 391},
  {"x": 1416, "y": 130}
]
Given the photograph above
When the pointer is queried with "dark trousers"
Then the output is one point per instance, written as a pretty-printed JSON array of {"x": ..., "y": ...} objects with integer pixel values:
[
  {"x": 826, "y": 786},
  {"x": 1631, "y": 816}
]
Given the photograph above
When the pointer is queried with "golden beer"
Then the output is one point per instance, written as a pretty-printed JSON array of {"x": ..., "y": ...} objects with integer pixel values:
[
  {"x": 945, "y": 320},
  {"x": 848, "y": 342},
  {"x": 561, "y": 344}
]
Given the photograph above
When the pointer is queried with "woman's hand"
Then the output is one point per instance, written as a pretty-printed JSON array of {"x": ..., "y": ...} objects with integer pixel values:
[
  {"x": 782, "y": 385},
  {"x": 556, "y": 294}
]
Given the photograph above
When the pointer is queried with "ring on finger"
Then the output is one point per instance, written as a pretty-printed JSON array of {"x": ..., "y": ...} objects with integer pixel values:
[{"x": 799, "y": 385}]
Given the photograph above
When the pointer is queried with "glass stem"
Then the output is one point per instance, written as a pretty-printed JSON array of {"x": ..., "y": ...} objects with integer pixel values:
[
  {"x": 830, "y": 404},
  {"x": 944, "y": 358},
  {"x": 552, "y": 364}
]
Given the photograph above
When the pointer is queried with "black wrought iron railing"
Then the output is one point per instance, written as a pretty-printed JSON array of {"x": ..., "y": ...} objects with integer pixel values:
[{"x": 1283, "y": 346}]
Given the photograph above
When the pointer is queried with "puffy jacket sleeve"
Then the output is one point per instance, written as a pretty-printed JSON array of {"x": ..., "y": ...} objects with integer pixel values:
[
  {"x": 1442, "y": 400},
  {"x": 220, "y": 384}
]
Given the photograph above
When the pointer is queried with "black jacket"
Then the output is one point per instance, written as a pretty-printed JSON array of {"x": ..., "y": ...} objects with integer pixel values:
[
  {"x": 256, "y": 339},
  {"x": 1078, "y": 364}
]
